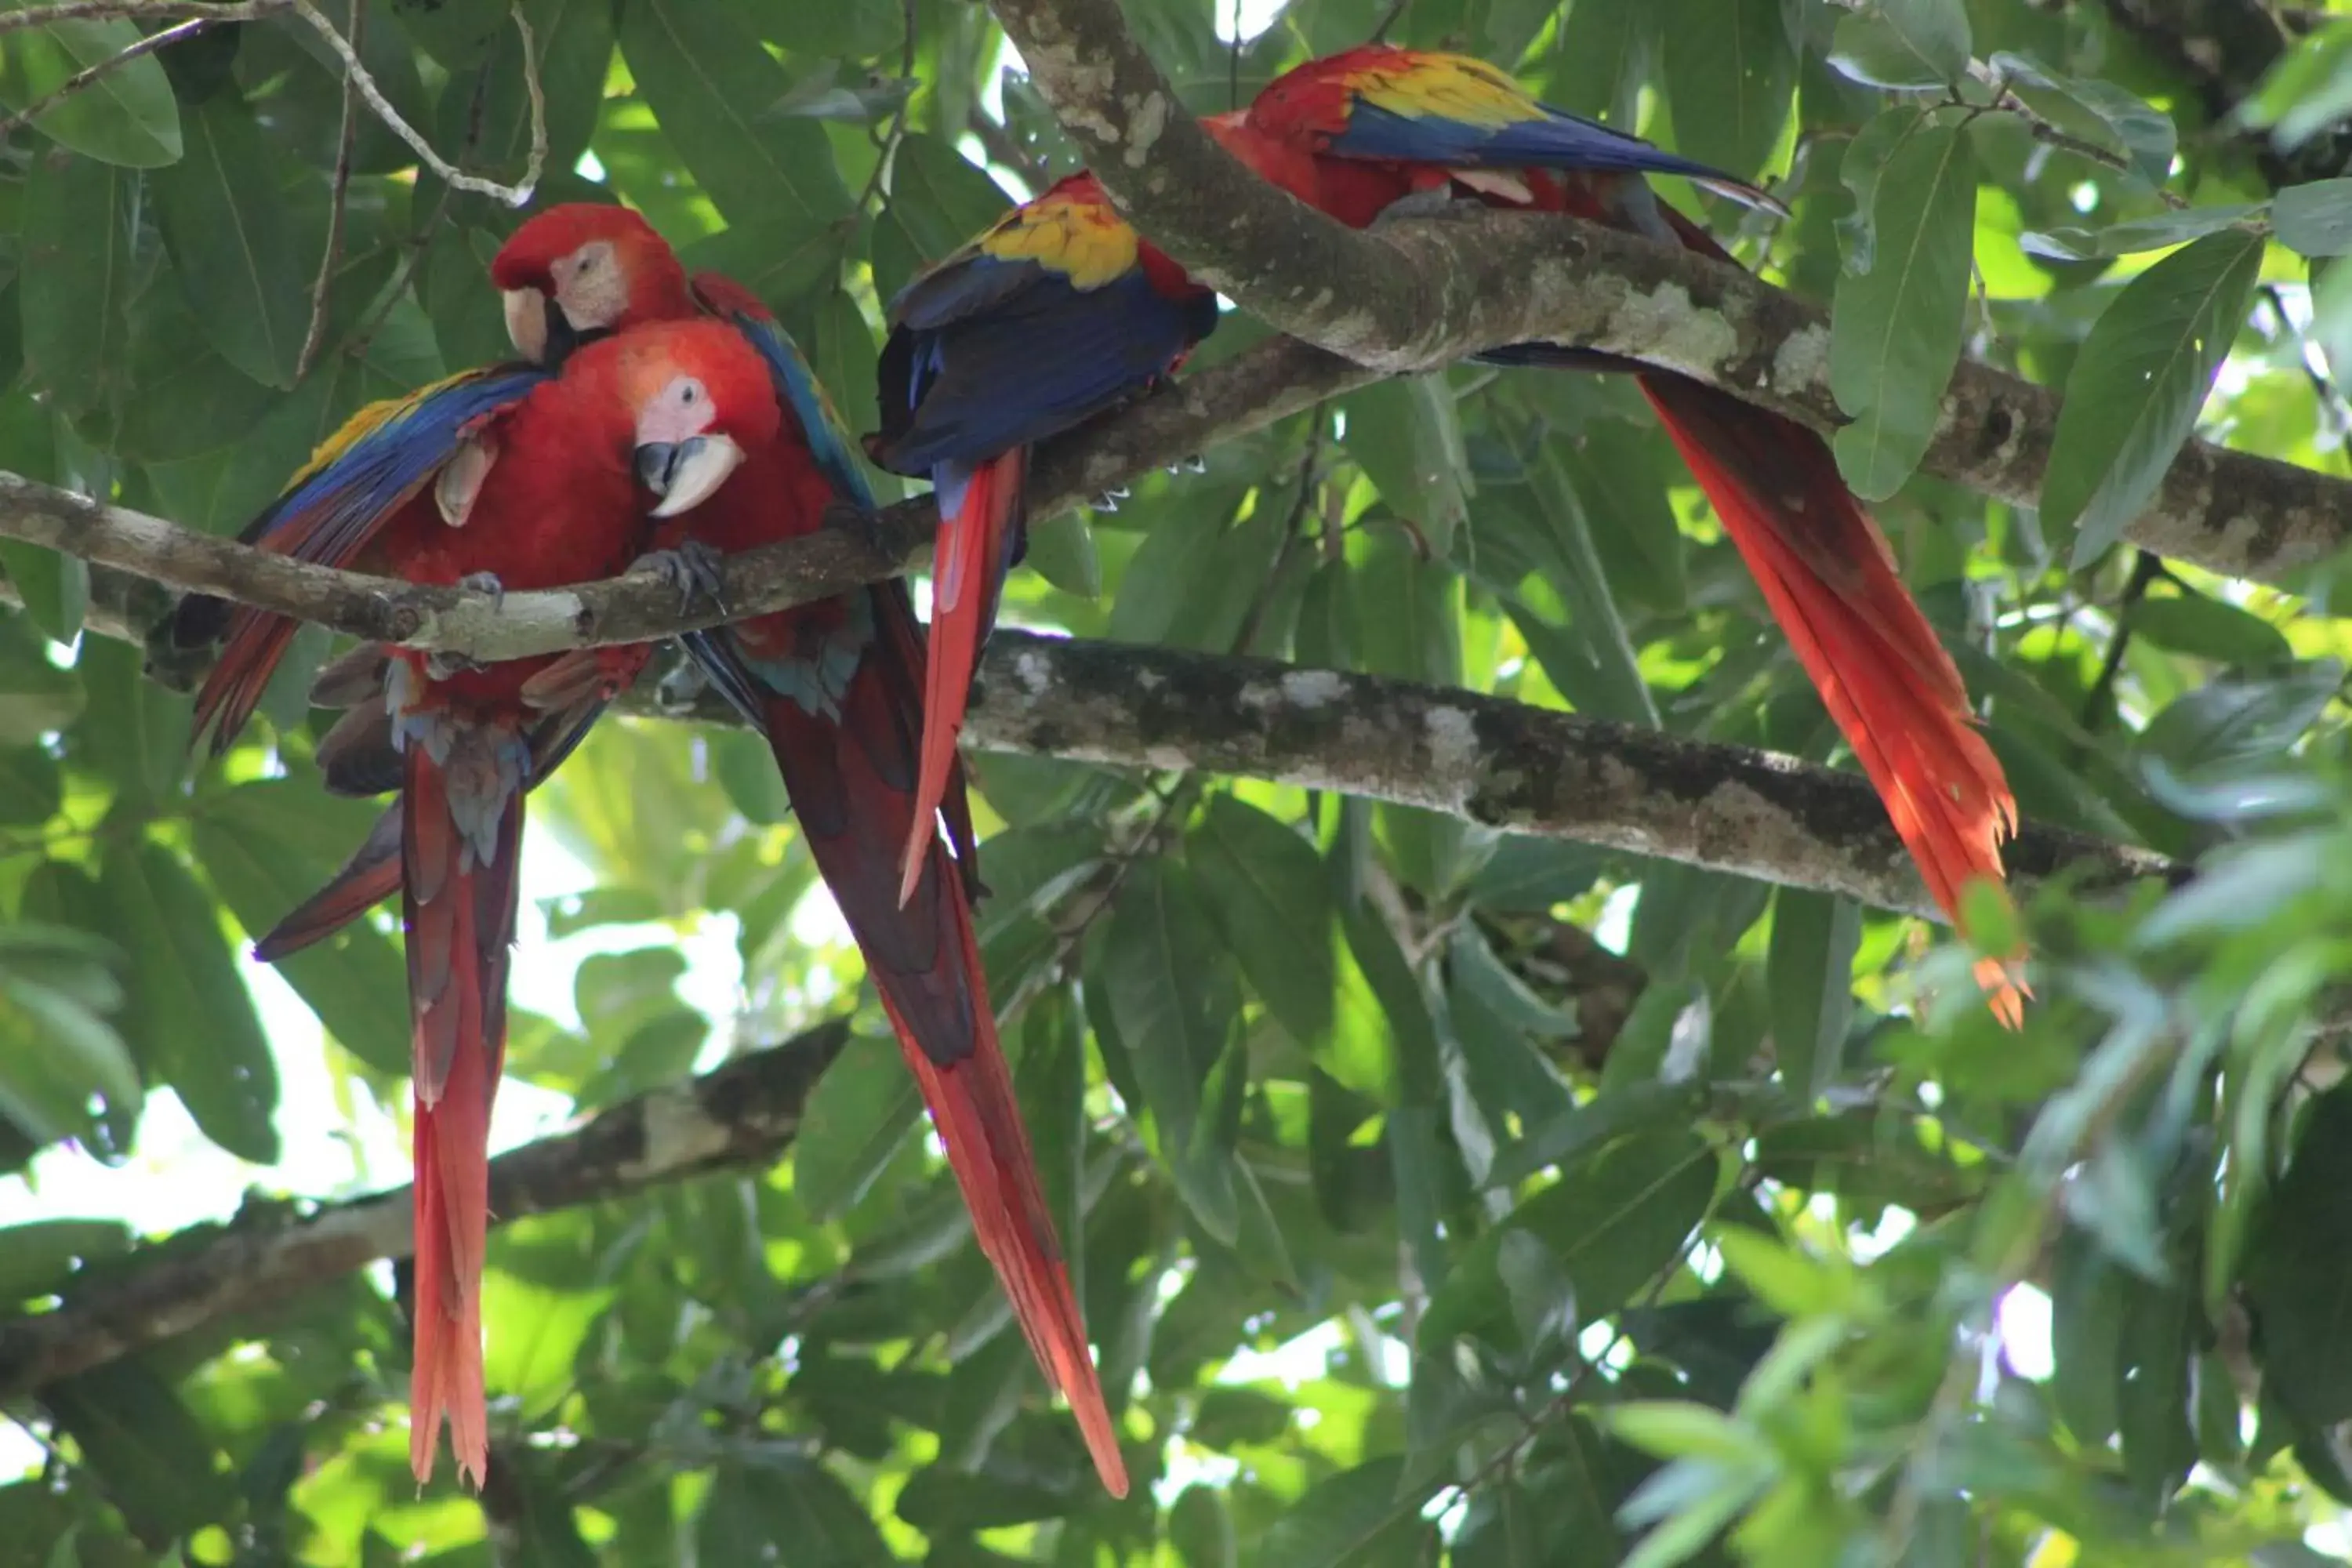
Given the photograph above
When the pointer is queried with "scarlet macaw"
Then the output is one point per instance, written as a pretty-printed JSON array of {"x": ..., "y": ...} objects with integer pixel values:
[
  {"x": 1053, "y": 315},
  {"x": 1355, "y": 133},
  {"x": 541, "y": 492},
  {"x": 837, "y": 687}
]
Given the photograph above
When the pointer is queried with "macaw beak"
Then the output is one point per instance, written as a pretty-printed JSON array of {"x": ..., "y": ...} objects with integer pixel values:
[
  {"x": 685, "y": 473},
  {"x": 530, "y": 314}
]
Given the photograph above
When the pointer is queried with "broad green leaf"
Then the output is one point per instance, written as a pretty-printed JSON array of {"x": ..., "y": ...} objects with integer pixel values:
[
  {"x": 1407, "y": 437},
  {"x": 1270, "y": 895},
  {"x": 76, "y": 249},
  {"x": 266, "y": 846},
  {"x": 125, "y": 116},
  {"x": 57, "y": 1057},
  {"x": 55, "y": 587},
  {"x": 1354, "y": 1517},
  {"x": 785, "y": 1507},
  {"x": 138, "y": 734},
  {"x": 2315, "y": 219},
  {"x": 2161, "y": 232},
  {"x": 2210, "y": 628},
  {"x": 1615, "y": 1230},
  {"x": 1062, "y": 552},
  {"x": 1616, "y": 45},
  {"x": 1918, "y": 43},
  {"x": 2088, "y": 1297},
  {"x": 856, "y": 1117},
  {"x": 158, "y": 1464},
  {"x": 1172, "y": 994},
  {"x": 190, "y": 1020},
  {"x": 38, "y": 1257},
  {"x": 32, "y": 786},
  {"x": 2243, "y": 718},
  {"x": 1406, "y": 610},
  {"x": 2309, "y": 89},
  {"x": 1810, "y": 972},
  {"x": 1729, "y": 77},
  {"x": 2137, "y": 384},
  {"x": 1200, "y": 1529},
  {"x": 1895, "y": 329},
  {"x": 224, "y": 222},
  {"x": 705, "y": 77},
  {"x": 2099, "y": 111}
]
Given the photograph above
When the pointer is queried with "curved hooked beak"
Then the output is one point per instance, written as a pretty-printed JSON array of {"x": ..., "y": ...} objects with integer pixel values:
[
  {"x": 528, "y": 317},
  {"x": 685, "y": 473}
]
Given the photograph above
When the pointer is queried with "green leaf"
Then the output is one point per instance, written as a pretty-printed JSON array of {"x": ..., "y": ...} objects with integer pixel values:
[
  {"x": 1622, "y": 1221},
  {"x": 1062, "y": 552},
  {"x": 36, "y": 698},
  {"x": 224, "y": 222},
  {"x": 2210, "y": 628},
  {"x": 2123, "y": 121},
  {"x": 856, "y": 1117},
  {"x": 2086, "y": 1311},
  {"x": 2138, "y": 383},
  {"x": 1615, "y": 56},
  {"x": 139, "y": 1436},
  {"x": 125, "y": 117},
  {"x": 1808, "y": 971},
  {"x": 2161, "y": 232},
  {"x": 704, "y": 75},
  {"x": 1406, "y": 435},
  {"x": 39, "y": 1257},
  {"x": 1406, "y": 608},
  {"x": 1355, "y": 1518},
  {"x": 785, "y": 1509},
  {"x": 76, "y": 285},
  {"x": 55, "y": 588},
  {"x": 138, "y": 734},
  {"x": 1268, "y": 890},
  {"x": 2315, "y": 219},
  {"x": 1201, "y": 1527},
  {"x": 1172, "y": 994},
  {"x": 268, "y": 845},
  {"x": 2298, "y": 1272},
  {"x": 1916, "y": 43},
  {"x": 1729, "y": 77},
  {"x": 1895, "y": 329},
  {"x": 2242, "y": 719},
  {"x": 58, "y": 1056},
  {"x": 190, "y": 1018}
]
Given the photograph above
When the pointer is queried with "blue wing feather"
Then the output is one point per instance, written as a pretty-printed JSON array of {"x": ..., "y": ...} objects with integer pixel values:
[
  {"x": 1048, "y": 357},
  {"x": 1557, "y": 141},
  {"x": 330, "y": 509},
  {"x": 797, "y": 386}
]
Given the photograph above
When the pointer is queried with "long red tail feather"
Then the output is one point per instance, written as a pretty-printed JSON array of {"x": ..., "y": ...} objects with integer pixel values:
[
  {"x": 460, "y": 909},
  {"x": 964, "y": 591},
  {"x": 241, "y": 674},
  {"x": 979, "y": 1119},
  {"x": 1828, "y": 577},
  {"x": 847, "y": 773}
]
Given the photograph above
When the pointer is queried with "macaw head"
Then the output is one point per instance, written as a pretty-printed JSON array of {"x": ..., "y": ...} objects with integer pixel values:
[
  {"x": 701, "y": 398},
  {"x": 580, "y": 270}
]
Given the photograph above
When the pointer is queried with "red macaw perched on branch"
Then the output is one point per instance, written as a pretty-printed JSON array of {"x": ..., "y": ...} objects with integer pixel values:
[
  {"x": 837, "y": 689},
  {"x": 539, "y": 492},
  {"x": 1355, "y": 133},
  {"x": 1056, "y": 313}
]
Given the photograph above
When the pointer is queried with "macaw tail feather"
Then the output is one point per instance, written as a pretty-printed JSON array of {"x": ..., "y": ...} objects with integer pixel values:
[
  {"x": 461, "y": 832},
  {"x": 371, "y": 876},
  {"x": 978, "y": 523},
  {"x": 1828, "y": 577},
  {"x": 848, "y": 772},
  {"x": 234, "y": 689}
]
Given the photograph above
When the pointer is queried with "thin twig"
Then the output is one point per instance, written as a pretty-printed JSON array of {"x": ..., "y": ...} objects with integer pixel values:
[
  {"x": 139, "y": 11},
  {"x": 338, "y": 195},
  {"x": 422, "y": 240},
  {"x": 514, "y": 195},
  {"x": 2147, "y": 567},
  {"x": 886, "y": 145},
  {"x": 176, "y": 33}
]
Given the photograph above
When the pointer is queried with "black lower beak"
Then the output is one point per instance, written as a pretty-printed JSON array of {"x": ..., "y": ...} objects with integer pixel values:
[
  {"x": 659, "y": 461},
  {"x": 562, "y": 338}
]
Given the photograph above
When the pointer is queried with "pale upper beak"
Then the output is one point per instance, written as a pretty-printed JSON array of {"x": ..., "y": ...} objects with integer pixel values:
[
  {"x": 527, "y": 323},
  {"x": 685, "y": 473}
]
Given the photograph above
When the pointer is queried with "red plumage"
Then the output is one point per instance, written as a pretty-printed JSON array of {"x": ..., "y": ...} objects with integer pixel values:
[{"x": 1332, "y": 134}]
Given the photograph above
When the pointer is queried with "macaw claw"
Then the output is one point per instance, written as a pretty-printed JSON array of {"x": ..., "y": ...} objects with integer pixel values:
[{"x": 693, "y": 568}]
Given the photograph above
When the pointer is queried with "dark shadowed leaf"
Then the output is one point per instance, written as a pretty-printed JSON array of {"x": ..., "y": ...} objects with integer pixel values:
[
  {"x": 1356, "y": 1517},
  {"x": 1730, "y": 76}
]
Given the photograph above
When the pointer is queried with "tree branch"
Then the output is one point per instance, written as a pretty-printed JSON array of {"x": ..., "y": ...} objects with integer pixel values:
[
  {"x": 1485, "y": 759},
  {"x": 741, "y": 1117},
  {"x": 1415, "y": 294}
]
